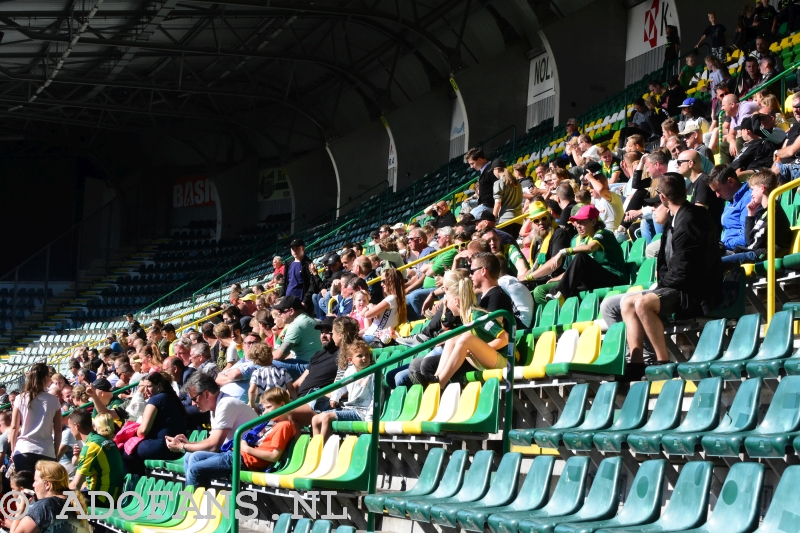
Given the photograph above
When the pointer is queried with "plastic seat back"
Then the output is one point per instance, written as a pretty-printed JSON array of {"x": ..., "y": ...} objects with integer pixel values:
[
  {"x": 737, "y": 507},
  {"x": 468, "y": 403},
  {"x": 743, "y": 414},
  {"x": 646, "y": 273},
  {"x": 634, "y": 410},
  {"x": 688, "y": 506},
  {"x": 783, "y": 514},
  {"x": 453, "y": 475},
  {"x": 570, "y": 489},
  {"x": 322, "y": 526},
  {"x": 778, "y": 341},
  {"x": 709, "y": 346},
  {"x": 536, "y": 487},
  {"x": 603, "y": 497},
  {"x": 588, "y": 346},
  {"x": 549, "y": 315},
  {"x": 448, "y": 404},
  {"x": 704, "y": 410},
  {"x": 589, "y": 308},
  {"x": 569, "y": 311},
  {"x": 744, "y": 341},
  {"x": 783, "y": 414},
  {"x": 302, "y": 526},
  {"x": 666, "y": 414},
  {"x": 543, "y": 354},
  {"x": 574, "y": 408},
  {"x": 644, "y": 499},
  {"x": 602, "y": 411},
  {"x": 524, "y": 346},
  {"x": 476, "y": 480},
  {"x": 566, "y": 347}
]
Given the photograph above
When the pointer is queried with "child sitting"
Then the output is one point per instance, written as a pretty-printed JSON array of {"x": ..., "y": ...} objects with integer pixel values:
[
  {"x": 20, "y": 482},
  {"x": 360, "y": 307},
  {"x": 266, "y": 375},
  {"x": 274, "y": 438},
  {"x": 358, "y": 407}
]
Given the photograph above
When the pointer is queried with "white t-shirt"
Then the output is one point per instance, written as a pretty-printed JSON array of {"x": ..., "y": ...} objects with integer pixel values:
[
  {"x": 388, "y": 320},
  {"x": 521, "y": 298},
  {"x": 231, "y": 353},
  {"x": 229, "y": 414},
  {"x": 611, "y": 213},
  {"x": 36, "y": 423}
]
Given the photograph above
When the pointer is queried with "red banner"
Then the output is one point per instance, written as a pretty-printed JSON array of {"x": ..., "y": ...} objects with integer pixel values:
[{"x": 192, "y": 191}]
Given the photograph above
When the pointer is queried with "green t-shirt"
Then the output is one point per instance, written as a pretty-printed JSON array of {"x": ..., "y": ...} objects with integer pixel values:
[
  {"x": 101, "y": 463},
  {"x": 609, "y": 255},
  {"x": 301, "y": 337},
  {"x": 513, "y": 254},
  {"x": 115, "y": 402},
  {"x": 439, "y": 264}
]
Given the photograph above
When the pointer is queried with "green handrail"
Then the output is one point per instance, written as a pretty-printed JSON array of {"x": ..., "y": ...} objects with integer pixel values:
[
  {"x": 90, "y": 404},
  {"x": 446, "y": 196},
  {"x": 377, "y": 371},
  {"x": 786, "y": 72}
]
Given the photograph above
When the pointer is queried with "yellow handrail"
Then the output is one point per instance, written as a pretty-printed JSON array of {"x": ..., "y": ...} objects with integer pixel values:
[
  {"x": 773, "y": 196},
  {"x": 204, "y": 319}
]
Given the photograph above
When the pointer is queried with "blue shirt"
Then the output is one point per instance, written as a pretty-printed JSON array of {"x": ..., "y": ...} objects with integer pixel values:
[
  {"x": 734, "y": 217},
  {"x": 294, "y": 285}
]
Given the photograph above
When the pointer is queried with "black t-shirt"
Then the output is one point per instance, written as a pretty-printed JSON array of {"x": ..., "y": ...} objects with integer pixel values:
[
  {"x": 765, "y": 14},
  {"x": 791, "y": 136},
  {"x": 486, "y": 188},
  {"x": 448, "y": 219},
  {"x": 375, "y": 290},
  {"x": 170, "y": 419},
  {"x": 496, "y": 299},
  {"x": 44, "y": 513},
  {"x": 699, "y": 192},
  {"x": 717, "y": 35},
  {"x": 754, "y": 155},
  {"x": 566, "y": 212},
  {"x": 670, "y": 52},
  {"x": 321, "y": 371}
]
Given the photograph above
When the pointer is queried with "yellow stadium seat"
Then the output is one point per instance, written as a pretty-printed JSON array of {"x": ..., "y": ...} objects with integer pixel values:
[
  {"x": 543, "y": 352},
  {"x": 189, "y": 519},
  {"x": 327, "y": 460},
  {"x": 428, "y": 407},
  {"x": 313, "y": 455},
  {"x": 656, "y": 386},
  {"x": 533, "y": 449},
  {"x": 468, "y": 403},
  {"x": 344, "y": 458},
  {"x": 588, "y": 346},
  {"x": 634, "y": 288}
]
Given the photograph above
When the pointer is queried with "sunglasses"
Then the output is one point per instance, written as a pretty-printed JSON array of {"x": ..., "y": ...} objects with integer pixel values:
[
  {"x": 540, "y": 220},
  {"x": 195, "y": 397},
  {"x": 473, "y": 270},
  {"x": 682, "y": 161},
  {"x": 283, "y": 311}
]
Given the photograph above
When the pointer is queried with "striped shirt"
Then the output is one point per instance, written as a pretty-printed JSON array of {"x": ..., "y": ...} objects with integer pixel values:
[{"x": 101, "y": 463}]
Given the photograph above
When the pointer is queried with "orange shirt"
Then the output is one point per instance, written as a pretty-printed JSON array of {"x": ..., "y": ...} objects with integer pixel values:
[{"x": 276, "y": 439}]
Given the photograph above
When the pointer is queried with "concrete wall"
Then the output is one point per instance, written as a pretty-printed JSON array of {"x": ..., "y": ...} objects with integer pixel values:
[
  {"x": 693, "y": 16},
  {"x": 589, "y": 52},
  {"x": 237, "y": 196},
  {"x": 313, "y": 184}
]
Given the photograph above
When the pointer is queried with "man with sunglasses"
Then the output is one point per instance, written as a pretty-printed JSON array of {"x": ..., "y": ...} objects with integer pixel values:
[
  {"x": 299, "y": 337},
  {"x": 442, "y": 216},
  {"x": 790, "y": 151},
  {"x": 548, "y": 240},
  {"x": 698, "y": 192}
]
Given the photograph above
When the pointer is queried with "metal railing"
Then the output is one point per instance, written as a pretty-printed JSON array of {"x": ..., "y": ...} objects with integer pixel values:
[
  {"x": 771, "y": 247},
  {"x": 376, "y": 370}
]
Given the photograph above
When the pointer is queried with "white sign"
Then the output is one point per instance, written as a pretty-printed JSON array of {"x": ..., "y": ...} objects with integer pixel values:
[
  {"x": 458, "y": 125},
  {"x": 647, "y": 26},
  {"x": 273, "y": 184},
  {"x": 541, "y": 82}
]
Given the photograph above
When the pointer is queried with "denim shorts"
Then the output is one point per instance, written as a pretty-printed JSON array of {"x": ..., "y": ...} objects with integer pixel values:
[{"x": 347, "y": 415}]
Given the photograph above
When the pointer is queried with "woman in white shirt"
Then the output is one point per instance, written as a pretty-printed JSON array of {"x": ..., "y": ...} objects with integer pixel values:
[
  {"x": 35, "y": 415},
  {"x": 389, "y": 313}
]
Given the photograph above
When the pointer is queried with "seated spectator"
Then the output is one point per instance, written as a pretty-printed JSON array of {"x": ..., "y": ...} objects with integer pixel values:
[
  {"x": 607, "y": 203},
  {"x": 273, "y": 439},
  {"x": 565, "y": 196},
  {"x": 691, "y": 114},
  {"x": 749, "y": 77},
  {"x": 697, "y": 191},
  {"x": 736, "y": 111},
  {"x": 48, "y": 512},
  {"x": 757, "y": 151},
  {"x": 227, "y": 415},
  {"x": 597, "y": 259},
  {"x": 657, "y": 114},
  {"x": 762, "y": 183},
  {"x": 507, "y": 194},
  {"x": 364, "y": 270},
  {"x": 610, "y": 168},
  {"x": 687, "y": 75},
  {"x": 725, "y": 184},
  {"x": 689, "y": 273},
  {"x": 692, "y": 137},
  {"x": 481, "y": 346},
  {"x": 639, "y": 116},
  {"x": 588, "y": 149},
  {"x": 100, "y": 463},
  {"x": 228, "y": 351},
  {"x": 517, "y": 265},
  {"x": 673, "y": 97},
  {"x": 548, "y": 240},
  {"x": 520, "y": 295},
  {"x": 360, "y": 308},
  {"x": 389, "y": 313},
  {"x": 358, "y": 406},
  {"x": 299, "y": 337},
  {"x": 234, "y": 381},
  {"x": 266, "y": 376},
  {"x": 442, "y": 216},
  {"x": 436, "y": 267},
  {"x": 767, "y": 66}
]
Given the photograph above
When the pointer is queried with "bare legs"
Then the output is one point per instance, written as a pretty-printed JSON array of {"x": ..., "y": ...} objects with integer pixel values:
[
  {"x": 640, "y": 313},
  {"x": 322, "y": 424},
  {"x": 455, "y": 351}
]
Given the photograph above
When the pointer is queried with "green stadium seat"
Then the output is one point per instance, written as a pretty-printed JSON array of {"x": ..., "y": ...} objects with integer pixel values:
[
  {"x": 391, "y": 410},
  {"x": 566, "y": 499},
  {"x": 602, "y": 501},
  {"x": 283, "y": 524},
  {"x": 742, "y": 416},
  {"x": 533, "y": 495},
  {"x": 588, "y": 311},
  {"x": 688, "y": 506},
  {"x": 162, "y": 506},
  {"x": 548, "y": 319},
  {"x": 702, "y": 416},
  {"x": 568, "y": 314},
  {"x": 600, "y": 416},
  {"x": 449, "y": 485},
  {"x": 633, "y": 415},
  {"x": 476, "y": 483},
  {"x": 322, "y": 526},
  {"x": 743, "y": 345},
  {"x": 611, "y": 359},
  {"x": 345, "y": 529},
  {"x": 303, "y": 525},
  {"x": 426, "y": 483},
  {"x": 636, "y": 253},
  {"x": 770, "y": 437},
  {"x": 709, "y": 348},
  {"x": 131, "y": 507},
  {"x": 295, "y": 461},
  {"x": 411, "y": 406},
  {"x": 501, "y": 492},
  {"x": 738, "y": 506},
  {"x": 642, "y": 506},
  {"x": 571, "y": 417},
  {"x": 777, "y": 345},
  {"x": 666, "y": 415},
  {"x": 782, "y": 514},
  {"x": 174, "y": 518}
]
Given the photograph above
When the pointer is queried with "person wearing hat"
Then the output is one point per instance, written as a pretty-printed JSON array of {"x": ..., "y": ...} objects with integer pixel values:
[
  {"x": 689, "y": 273},
  {"x": 691, "y": 114},
  {"x": 399, "y": 230},
  {"x": 507, "y": 194},
  {"x": 692, "y": 136},
  {"x": 487, "y": 220},
  {"x": 299, "y": 337},
  {"x": 300, "y": 282},
  {"x": 548, "y": 239},
  {"x": 608, "y": 203},
  {"x": 594, "y": 259},
  {"x": 757, "y": 151}
]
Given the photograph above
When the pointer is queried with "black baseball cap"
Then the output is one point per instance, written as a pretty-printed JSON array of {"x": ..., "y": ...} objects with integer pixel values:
[
  {"x": 102, "y": 384},
  {"x": 331, "y": 259},
  {"x": 327, "y": 323},
  {"x": 297, "y": 242},
  {"x": 487, "y": 216},
  {"x": 594, "y": 168},
  {"x": 498, "y": 163},
  {"x": 289, "y": 302}
]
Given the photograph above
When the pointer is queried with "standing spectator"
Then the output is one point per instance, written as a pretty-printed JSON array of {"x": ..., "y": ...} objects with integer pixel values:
[
  {"x": 686, "y": 77},
  {"x": 749, "y": 78},
  {"x": 762, "y": 183},
  {"x": 443, "y": 216},
  {"x": 35, "y": 432},
  {"x": 716, "y": 34},
  {"x": 301, "y": 282},
  {"x": 478, "y": 162},
  {"x": 689, "y": 273},
  {"x": 725, "y": 183},
  {"x": 766, "y": 18},
  {"x": 299, "y": 337},
  {"x": 672, "y": 50},
  {"x": 507, "y": 194},
  {"x": 745, "y": 31}
]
